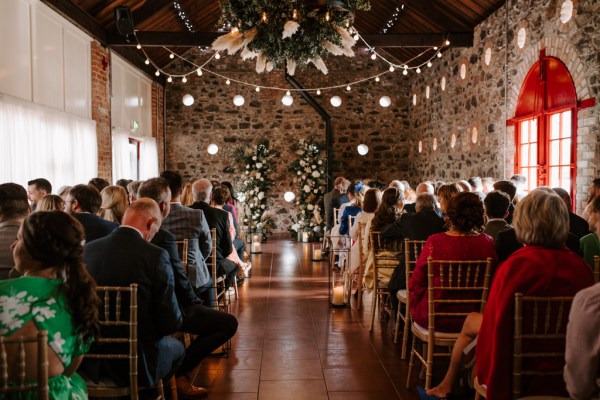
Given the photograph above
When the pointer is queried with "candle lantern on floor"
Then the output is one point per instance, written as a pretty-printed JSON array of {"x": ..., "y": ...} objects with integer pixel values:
[
  {"x": 249, "y": 238},
  {"x": 305, "y": 236},
  {"x": 317, "y": 252},
  {"x": 338, "y": 293},
  {"x": 256, "y": 246}
]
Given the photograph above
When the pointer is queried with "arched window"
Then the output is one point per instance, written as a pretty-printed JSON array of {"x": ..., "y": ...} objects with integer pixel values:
[{"x": 545, "y": 121}]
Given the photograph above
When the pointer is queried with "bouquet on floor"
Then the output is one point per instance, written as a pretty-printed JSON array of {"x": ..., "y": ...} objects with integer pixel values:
[
  {"x": 255, "y": 184},
  {"x": 310, "y": 177}
]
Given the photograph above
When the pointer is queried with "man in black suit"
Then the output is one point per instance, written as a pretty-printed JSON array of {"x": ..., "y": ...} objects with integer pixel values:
[
  {"x": 82, "y": 202},
  {"x": 219, "y": 220},
  {"x": 329, "y": 198},
  {"x": 496, "y": 209},
  {"x": 511, "y": 190},
  {"x": 212, "y": 328},
  {"x": 125, "y": 257},
  {"x": 577, "y": 225}
]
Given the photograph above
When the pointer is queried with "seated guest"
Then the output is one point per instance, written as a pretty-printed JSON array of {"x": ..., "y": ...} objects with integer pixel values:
[
  {"x": 370, "y": 203},
  {"x": 496, "y": 209},
  {"x": 510, "y": 189},
  {"x": 83, "y": 202},
  {"x": 397, "y": 184},
  {"x": 231, "y": 208},
  {"x": 51, "y": 202},
  {"x": 577, "y": 225},
  {"x": 476, "y": 186},
  {"x": 99, "y": 183},
  {"x": 356, "y": 193},
  {"x": 582, "y": 353},
  {"x": 132, "y": 188},
  {"x": 63, "y": 191},
  {"x": 36, "y": 189},
  {"x": 487, "y": 184},
  {"x": 190, "y": 224},
  {"x": 125, "y": 257},
  {"x": 463, "y": 241},
  {"x": 409, "y": 194},
  {"x": 187, "y": 199},
  {"x": 219, "y": 220},
  {"x": 590, "y": 244},
  {"x": 593, "y": 191},
  {"x": 544, "y": 267},
  {"x": 520, "y": 182},
  {"x": 123, "y": 183},
  {"x": 465, "y": 185},
  {"x": 14, "y": 207},
  {"x": 423, "y": 187},
  {"x": 210, "y": 327},
  {"x": 114, "y": 203},
  {"x": 55, "y": 294},
  {"x": 445, "y": 193}
]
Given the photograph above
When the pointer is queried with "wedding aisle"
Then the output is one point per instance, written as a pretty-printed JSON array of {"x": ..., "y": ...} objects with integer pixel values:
[{"x": 291, "y": 345}]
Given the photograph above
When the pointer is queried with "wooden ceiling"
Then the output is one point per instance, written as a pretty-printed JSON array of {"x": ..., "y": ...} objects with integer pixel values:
[{"x": 420, "y": 25}]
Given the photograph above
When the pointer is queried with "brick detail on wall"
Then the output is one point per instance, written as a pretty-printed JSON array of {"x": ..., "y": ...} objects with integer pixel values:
[
  {"x": 158, "y": 121},
  {"x": 101, "y": 108}
]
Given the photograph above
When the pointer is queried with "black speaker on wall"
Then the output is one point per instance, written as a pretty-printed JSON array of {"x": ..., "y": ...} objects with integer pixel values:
[{"x": 124, "y": 21}]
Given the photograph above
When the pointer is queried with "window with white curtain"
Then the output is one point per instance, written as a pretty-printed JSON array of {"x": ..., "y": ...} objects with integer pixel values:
[{"x": 41, "y": 142}]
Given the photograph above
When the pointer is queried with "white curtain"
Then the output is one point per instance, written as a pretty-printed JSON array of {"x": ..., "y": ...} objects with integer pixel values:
[
  {"x": 40, "y": 142},
  {"x": 121, "y": 161},
  {"x": 148, "y": 158}
]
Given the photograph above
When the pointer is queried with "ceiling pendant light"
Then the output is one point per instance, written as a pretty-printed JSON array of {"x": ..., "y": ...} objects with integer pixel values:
[
  {"x": 238, "y": 100},
  {"x": 362, "y": 149},
  {"x": 336, "y": 101},
  {"x": 287, "y": 100}
]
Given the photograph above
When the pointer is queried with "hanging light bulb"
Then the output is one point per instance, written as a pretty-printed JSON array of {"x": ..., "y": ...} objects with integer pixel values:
[
  {"x": 447, "y": 42},
  {"x": 362, "y": 149},
  {"x": 429, "y": 64},
  {"x": 238, "y": 100},
  {"x": 374, "y": 55},
  {"x": 228, "y": 82},
  {"x": 184, "y": 79},
  {"x": 392, "y": 69},
  {"x": 139, "y": 46},
  {"x": 171, "y": 56},
  {"x": 377, "y": 79},
  {"x": 199, "y": 71},
  {"x": 439, "y": 55},
  {"x": 385, "y": 101},
  {"x": 435, "y": 48},
  {"x": 405, "y": 72},
  {"x": 264, "y": 17},
  {"x": 336, "y": 101},
  {"x": 287, "y": 100},
  {"x": 147, "y": 61},
  {"x": 157, "y": 73},
  {"x": 217, "y": 55},
  {"x": 318, "y": 92},
  {"x": 257, "y": 89},
  {"x": 187, "y": 100},
  {"x": 356, "y": 37},
  {"x": 348, "y": 88},
  {"x": 169, "y": 79},
  {"x": 212, "y": 149},
  {"x": 418, "y": 70}
]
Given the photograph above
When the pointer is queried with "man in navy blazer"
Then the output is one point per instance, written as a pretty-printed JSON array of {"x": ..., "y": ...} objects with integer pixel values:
[
  {"x": 219, "y": 220},
  {"x": 82, "y": 202},
  {"x": 125, "y": 257}
]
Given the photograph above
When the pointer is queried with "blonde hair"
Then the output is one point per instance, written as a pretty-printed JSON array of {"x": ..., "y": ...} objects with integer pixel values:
[
  {"x": 50, "y": 202},
  {"x": 186, "y": 195},
  {"x": 114, "y": 203},
  {"x": 541, "y": 219}
]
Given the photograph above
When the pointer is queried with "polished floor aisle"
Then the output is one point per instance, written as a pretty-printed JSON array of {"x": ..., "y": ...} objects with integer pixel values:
[{"x": 291, "y": 345}]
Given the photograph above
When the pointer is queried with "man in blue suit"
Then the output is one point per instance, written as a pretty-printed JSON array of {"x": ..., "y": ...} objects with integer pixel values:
[
  {"x": 125, "y": 257},
  {"x": 82, "y": 202}
]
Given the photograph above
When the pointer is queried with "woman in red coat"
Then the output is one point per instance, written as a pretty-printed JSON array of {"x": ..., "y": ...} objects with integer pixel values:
[{"x": 544, "y": 267}]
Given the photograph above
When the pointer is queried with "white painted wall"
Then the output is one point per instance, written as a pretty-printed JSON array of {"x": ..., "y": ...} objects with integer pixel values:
[
  {"x": 44, "y": 58},
  {"x": 131, "y": 98}
]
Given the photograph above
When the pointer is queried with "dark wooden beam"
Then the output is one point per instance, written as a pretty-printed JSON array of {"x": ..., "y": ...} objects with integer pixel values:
[
  {"x": 79, "y": 18},
  {"x": 148, "y": 10},
  {"x": 428, "y": 10},
  {"x": 185, "y": 39}
]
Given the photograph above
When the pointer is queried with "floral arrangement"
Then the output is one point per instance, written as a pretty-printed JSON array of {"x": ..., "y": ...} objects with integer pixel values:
[
  {"x": 255, "y": 184},
  {"x": 310, "y": 177},
  {"x": 291, "y": 33}
]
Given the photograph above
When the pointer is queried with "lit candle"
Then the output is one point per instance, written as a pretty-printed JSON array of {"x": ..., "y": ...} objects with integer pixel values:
[
  {"x": 305, "y": 236},
  {"x": 317, "y": 254},
  {"x": 256, "y": 247},
  {"x": 256, "y": 238},
  {"x": 338, "y": 296}
]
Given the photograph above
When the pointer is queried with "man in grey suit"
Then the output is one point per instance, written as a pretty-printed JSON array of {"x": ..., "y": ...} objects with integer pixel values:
[
  {"x": 14, "y": 207},
  {"x": 496, "y": 205},
  {"x": 188, "y": 223}
]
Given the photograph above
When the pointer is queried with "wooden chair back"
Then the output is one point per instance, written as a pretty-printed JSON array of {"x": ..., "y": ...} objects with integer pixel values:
[
  {"x": 15, "y": 374},
  {"x": 469, "y": 279},
  {"x": 182, "y": 249},
  {"x": 539, "y": 335},
  {"x": 378, "y": 243},
  {"x": 412, "y": 249},
  {"x": 219, "y": 288},
  {"x": 118, "y": 323},
  {"x": 596, "y": 269}
]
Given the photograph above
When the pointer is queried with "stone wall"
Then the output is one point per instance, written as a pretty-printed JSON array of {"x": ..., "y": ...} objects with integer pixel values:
[
  {"x": 213, "y": 118},
  {"x": 487, "y": 97}
]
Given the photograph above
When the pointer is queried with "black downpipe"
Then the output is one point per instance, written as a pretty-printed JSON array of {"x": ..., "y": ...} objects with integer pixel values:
[{"x": 328, "y": 126}]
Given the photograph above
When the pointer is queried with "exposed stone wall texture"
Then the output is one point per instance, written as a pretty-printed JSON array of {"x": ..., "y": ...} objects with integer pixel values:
[
  {"x": 213, "y": 118},
  {"x": 488, "y": 95},
  {"x": 101, "y": 107}
]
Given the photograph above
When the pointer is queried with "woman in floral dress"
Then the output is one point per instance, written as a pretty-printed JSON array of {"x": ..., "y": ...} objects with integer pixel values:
[{"x": 55, "y": 294}]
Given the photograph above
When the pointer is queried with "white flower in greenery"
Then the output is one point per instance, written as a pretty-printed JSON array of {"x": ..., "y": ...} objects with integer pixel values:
[
  {"x": 316, "y": 191},
  {"x": 262, "y": 206},
  {"x": 259, "y": 165},
  {"x": 258, "y": 175},
  {"x": 295, "y": 227},
  {"x": 310, "y": 207},
  {"x": 306, "y": 188},
  {"x": 320, "y": 162},
  {"x": 302, "y": 163},
  {"x": 316, "y": 174},
  {"x": 253, "y": 158},
  {"x": 247, "y": 166},
  {"x": 261, "y": 195},
  {"x": 299, "y": 173},
  {"x": 314, "y": 167},
  {"x": 262, "y": 179}
]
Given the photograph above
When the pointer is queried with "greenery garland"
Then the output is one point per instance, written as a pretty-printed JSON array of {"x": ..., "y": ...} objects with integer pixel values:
[{"x": 310, "y": 177}]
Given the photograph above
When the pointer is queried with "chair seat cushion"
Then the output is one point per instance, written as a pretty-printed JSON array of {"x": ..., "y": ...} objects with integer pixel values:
[
  {"x": 401, "y": 295},
  {"x": 423, "y": 333}
]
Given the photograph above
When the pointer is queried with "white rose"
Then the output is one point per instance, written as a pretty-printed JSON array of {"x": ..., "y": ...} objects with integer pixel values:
[
  {"x": 310, "y": 207},
  {"x": 262, "y": 179},
  {"x": 316, "y": 174},
  {"x": 261, "y": 195},
  {"x": 317, "y": 229},
  {"x": 295, "y": 227},
  {"x": 306, "y": 188},
  {"x": 302, "y": 163},
  {"x": 258, "y": 175},
  {"x": 316, "y": 191},
  {"x": 262, "y": 206},
  {"x": 259, "y": 165},
  {"x": 303, "y": 177},
  {"x": 253, "y": 158},
  {"x": 320, "y": 162},
  {"x": 314, "y": 167},
  {"x": 299, "y": 173}
]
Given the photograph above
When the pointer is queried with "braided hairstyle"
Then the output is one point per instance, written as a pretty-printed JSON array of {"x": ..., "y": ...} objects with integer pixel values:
[{"x": 55, "y": 240}]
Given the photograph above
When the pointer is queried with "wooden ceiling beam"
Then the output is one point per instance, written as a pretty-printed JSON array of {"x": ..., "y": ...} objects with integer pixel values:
[
  {"x": 430, "y": 11},
  {"x": 185, "y": 39},
  {"x": 148, "y": 10}
]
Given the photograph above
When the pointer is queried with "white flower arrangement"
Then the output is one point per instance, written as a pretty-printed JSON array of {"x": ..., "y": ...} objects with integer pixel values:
[{"x": 311, "y": 186}]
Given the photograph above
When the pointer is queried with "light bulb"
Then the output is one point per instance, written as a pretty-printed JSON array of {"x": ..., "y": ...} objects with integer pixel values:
[
  {"x": 287, "y": 100},
  {"x": 439, "y": 55},
  {"x": 157, "y": 73},
  {"x": 447, "y": 42},
  {"x": 363, "y": 149},
  {"x": 318, "y": 92},
  {"x": 377, "y": 79},
  {"x": 348, "y": 88},
  {"x": 169, "y": 79},
  {"x": 288, "y": 93},
  {"x": 336, "y": 101},
  {"x": 139, "y": 46},
  {"x": 289, "y": 196},
  {"x": 385, "y": 101},
  {"x": 199, "y": 71},
  {"x": 392, "y": 68},
  {"x": 147, "y": 61},
  {"x": 228, "y": 82},
  {"x": 356, "y": 37},
  {"x": 418, "y": 70},
  {"x": 188, "y": 100},
  {"x": 184, "y": 79},
  {"x": 429, "y": 64},
  {"x": 171, "y": 56},
  {"x": 257, "y": 89},
  {"x": 212, "y": 149},
  {"x": 435, "y": 47},
  {"x": 405, "y": 72},
  {"x": 217, "y": 55},
  {"x": 238, "y": 100},
  {"x": 373, "y": 56}
]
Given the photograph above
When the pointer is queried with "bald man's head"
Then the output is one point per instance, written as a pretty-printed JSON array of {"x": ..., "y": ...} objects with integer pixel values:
[{"x": 144, "y": 214}]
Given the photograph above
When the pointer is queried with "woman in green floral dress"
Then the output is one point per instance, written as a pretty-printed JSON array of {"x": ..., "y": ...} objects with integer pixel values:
[{"x": 55, "y": 294}]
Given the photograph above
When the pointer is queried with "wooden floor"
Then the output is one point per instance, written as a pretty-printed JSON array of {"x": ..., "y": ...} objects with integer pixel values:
[{"x": 291, "y": 345}]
